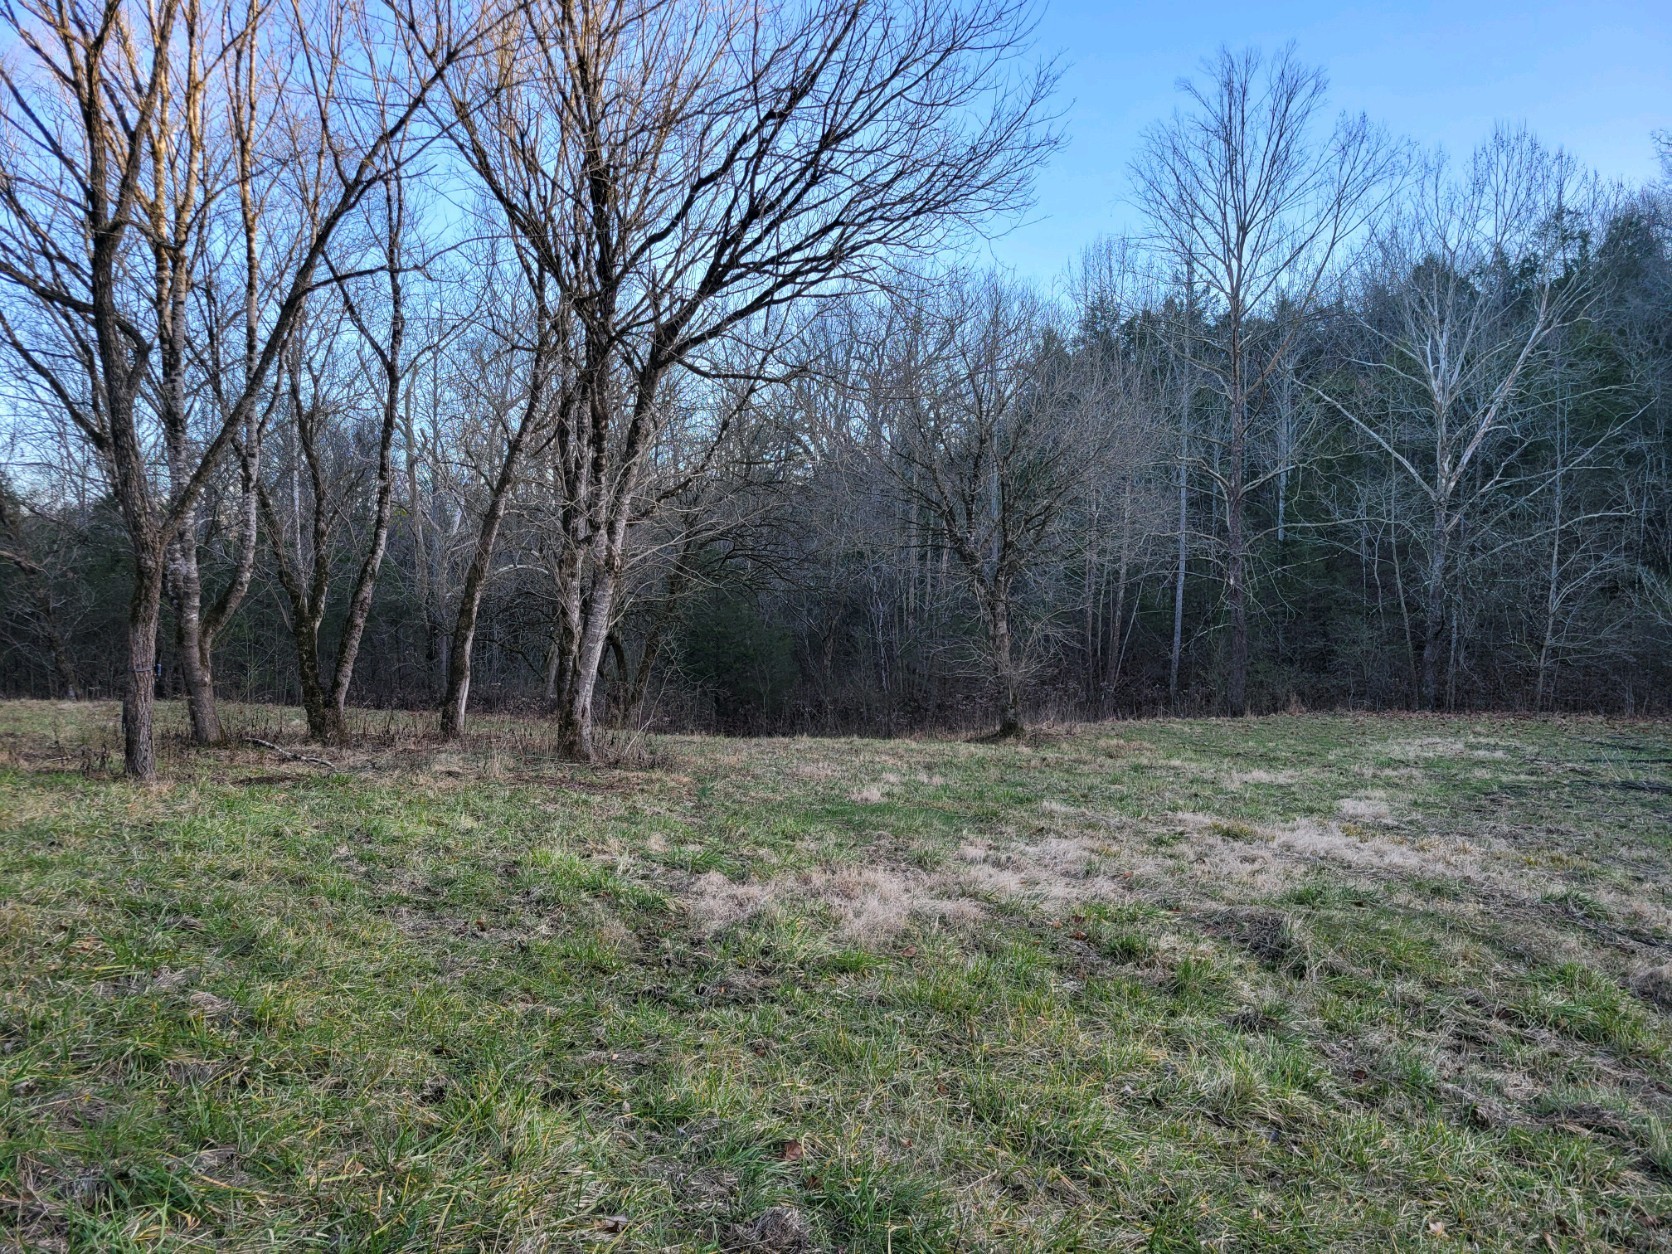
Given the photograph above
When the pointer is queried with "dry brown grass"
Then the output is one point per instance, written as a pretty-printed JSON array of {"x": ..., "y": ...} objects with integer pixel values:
[{"x": 869, "y": 905}]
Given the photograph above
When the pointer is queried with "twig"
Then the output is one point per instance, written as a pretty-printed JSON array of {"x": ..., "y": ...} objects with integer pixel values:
[{"x": 298, "y": 757}]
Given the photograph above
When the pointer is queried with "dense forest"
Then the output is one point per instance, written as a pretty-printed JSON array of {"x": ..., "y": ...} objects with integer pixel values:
[{"x": 624, "y": 361}]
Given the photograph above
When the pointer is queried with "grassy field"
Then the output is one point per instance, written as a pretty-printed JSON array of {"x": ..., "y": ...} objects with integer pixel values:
[{"x": 1308, "y": 982}]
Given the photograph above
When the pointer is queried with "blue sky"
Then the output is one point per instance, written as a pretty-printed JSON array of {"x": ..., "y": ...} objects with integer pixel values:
[{"x": 1594, "y": 78}]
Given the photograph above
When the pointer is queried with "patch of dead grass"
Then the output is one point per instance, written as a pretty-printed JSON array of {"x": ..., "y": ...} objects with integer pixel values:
[
  {"x": 1370, "y": 809},
  {"x": 870, "y": 904},
  {"x": 815, "y": 770},
  {"x": 1241, "y": 779}
]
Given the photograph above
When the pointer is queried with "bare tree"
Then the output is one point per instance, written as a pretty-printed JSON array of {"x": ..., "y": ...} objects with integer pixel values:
[
  {"x": 330, "y": 463},
  {"x": 1136, "y": 396},
  {"x": 983, "y": 424},
  {"x": 94, "y": 194},
  {"x": 522, "y": 402},
  {"x": 1246, "y": 195},
  {"x": 1477, "y": 283},
  {"x": 606, "y": 379},
  {"x": 680, "y": 175},
  {"x": 207, "y": 116}
]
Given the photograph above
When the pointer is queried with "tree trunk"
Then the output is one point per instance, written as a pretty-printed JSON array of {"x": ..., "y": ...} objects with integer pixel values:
[
  {"x": 1187, "y": 402},
  {"x": 1236, "y": 693},
  {"x": 609, "y": 505},
  {"x": 555, "y": 679},
  {"x": 365, "y": 586},
  {"x": 1115, "y": 656},
  {"x": 1236, "y": 690},
  {"x": 457, "y": 697},
  {"x": 315, "y": 703},
  {"x": 575, "y": 727},
  {"x": 193, "y": 645},
  {"x": 1411, "y": 669},
  {"x": 307, "y": 610},
  {"x": 1010, "y": 688},
  {"x": 1179, "y": 571},
  {"x": 139, "y": 695},
  {"x": 331, "y": 725},
  {"x": 365, "y": 581},
  {"x": 61, "y": 659},
  {"x": 633, "y": 700},
  {"x": 1553, "y": 593},
  {"x": 1434, "y": 624},
  {"x": 566, "y": 629}
]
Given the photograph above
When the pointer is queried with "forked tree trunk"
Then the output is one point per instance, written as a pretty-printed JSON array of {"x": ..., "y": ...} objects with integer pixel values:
[
  {"x": 455, "y": 701},
  {"x": 183, "y": 581},
  {"x": 326, "y": 705},
  {"x": 198, "y": 628},
  {"x": 335, "y": 729},
  {"x": 608, "y": 561}
]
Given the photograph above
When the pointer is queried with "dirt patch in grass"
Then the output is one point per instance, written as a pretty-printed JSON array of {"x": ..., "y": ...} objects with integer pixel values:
[
  {"x": 1273, "y": 939},
  {"x": 1654, "y": 985},
  {"x": 778, "y": 1230}
]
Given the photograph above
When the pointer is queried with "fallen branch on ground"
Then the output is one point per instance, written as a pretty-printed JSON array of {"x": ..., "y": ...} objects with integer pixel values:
[{"x": 296, "y": 757}]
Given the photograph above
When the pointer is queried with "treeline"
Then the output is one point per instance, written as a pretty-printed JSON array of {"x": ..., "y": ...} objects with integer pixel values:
[{"x": 614, "y": 360}]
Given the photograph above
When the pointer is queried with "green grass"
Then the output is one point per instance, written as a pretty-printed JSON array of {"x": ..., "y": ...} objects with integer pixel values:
[{"x": 1308, "y": 982}]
